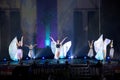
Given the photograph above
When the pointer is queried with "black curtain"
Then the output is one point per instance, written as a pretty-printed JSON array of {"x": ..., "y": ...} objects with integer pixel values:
[{"x": 9, "y": 28}]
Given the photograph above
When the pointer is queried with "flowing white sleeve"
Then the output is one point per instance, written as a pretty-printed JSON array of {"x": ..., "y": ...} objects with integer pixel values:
[
  {"x": 13, "y": 49},
  {"x": 53, "y": 47},
  {"x": 106, "y": 42},
  {"x": 98, "y": 43},
  {"x": 111, "y": 52},
  {"x": 64, "y": 49}
]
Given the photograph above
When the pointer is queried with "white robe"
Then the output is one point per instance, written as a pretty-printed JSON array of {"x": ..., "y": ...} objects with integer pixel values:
[
  {"x": 90, "y": 53},
  {"x": 100, "y": 47},
  {"x": 62, "y": 50},
  {"x": 111, "y": 52}
]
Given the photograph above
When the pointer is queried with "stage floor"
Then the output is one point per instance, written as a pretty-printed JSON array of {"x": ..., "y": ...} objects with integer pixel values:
[{"x": 60, "y": 61}]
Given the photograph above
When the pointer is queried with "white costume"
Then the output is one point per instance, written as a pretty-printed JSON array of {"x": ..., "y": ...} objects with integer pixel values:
[
  {"x": 59, "y": 50},
  {"x": 19, "y": 53},
  {"x": 62, "y": 50},
  {"x": 111, "y": 50},
  {"x": 15, "y": 52},
  {"x": 31, "y": 51},
  {"x": 90, "y": 53},
  {"x": 100, "y": 48}
]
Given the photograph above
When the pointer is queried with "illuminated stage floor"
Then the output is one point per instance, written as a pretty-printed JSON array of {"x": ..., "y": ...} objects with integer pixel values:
[{"x": 60, "y": 61}]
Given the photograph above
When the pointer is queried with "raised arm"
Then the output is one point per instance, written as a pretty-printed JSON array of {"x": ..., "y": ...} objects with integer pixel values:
[
  {"x": 22, "y": 41},
  {"x": 92, "y": 42},
  {"x": 34, "y": 45},
  {"x": 111, "y": 45},
  {"x": 52, "y": 40},
  {"x": 17, "y": 43},
  {"x": 89, "y": 43},
  {"x": 63, "y": 40},
  {"x": 26, "y": 45}
]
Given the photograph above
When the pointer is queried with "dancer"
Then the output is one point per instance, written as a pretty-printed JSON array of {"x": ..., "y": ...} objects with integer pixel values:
[
  {"x": 31, "y": 52},
  {"x": 90, "y": 53},
  {"x": 100, "y": 48},
  {"x": 19, "y": 49},
  {"x": 59, "y": 49},
  {"x": 111, "y": 50},
  {"x": 106, "y": 42},
  {"x": 15, "y": 49}
]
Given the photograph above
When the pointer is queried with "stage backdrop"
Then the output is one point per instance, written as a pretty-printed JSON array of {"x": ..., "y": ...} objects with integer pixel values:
[
  {"x": 37, "y": 20},
  {"x": 46, "y": 22}
]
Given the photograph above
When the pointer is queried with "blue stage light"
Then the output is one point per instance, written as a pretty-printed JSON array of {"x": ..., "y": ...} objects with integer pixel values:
[
  {"x": 34, "y": 57},
  {"x": 71, "y": 57},
  {"x": 47, "y": 42},
  {"x": 85, "y": 57},
  {"x": 27, "y": 58},
  {"x": 108, "y": 58},
  {"x": 75, "y": 56},
  {"x": 4, "y": 59},
  {"x": 43, "y": 57}
]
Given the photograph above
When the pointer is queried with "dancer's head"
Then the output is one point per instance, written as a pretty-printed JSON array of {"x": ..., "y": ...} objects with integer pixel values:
[
  {"x": 30, "y": 45},
  {"x": 19, "y": 43}
]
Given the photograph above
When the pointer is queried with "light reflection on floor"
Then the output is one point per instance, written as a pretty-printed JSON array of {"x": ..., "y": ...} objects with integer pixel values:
[{"x": 54, "y": 61}]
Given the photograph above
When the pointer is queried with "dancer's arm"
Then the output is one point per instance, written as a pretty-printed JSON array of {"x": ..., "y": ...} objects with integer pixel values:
[
  {"x": 34, "y": 45},
  {"x": 89, "y": 43},
  {"x": 26, "y": 45},
  {"x": 63, "y": 40},
  {"x": 17, "y": 43},
  {"x": 52, "y": 40},
  {"x": 22, "y": 41},
  {"x": 92, "y": 42},
  {"x": 111, "y": 45}
]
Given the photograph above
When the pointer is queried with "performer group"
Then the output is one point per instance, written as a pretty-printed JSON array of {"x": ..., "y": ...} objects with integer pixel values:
[
  {"x": 100, "y": 47},
  {"x": 60, "y": 48}
]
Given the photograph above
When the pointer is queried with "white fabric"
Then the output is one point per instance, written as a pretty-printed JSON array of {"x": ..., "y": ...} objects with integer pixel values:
[
  {"x": 100, "y": 47},
  {"x": 111, "y": 52},
  {"x": 19, "y": 54},
  {"x": 106, "y": 42},
  {"x": 31, "y": 53},
  {"x": 90, "y": 53},
  {"x": 62, "y": 50},
  {"x": 13, "y": 49}
]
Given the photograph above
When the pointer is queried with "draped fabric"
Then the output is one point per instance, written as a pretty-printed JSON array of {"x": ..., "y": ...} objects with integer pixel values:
[
  {"x": 63, "y": 49},
  {"x": 100, "y": 47}
]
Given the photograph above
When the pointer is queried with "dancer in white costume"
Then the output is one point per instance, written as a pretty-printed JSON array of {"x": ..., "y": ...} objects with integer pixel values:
[
  {"x": 106, "y": 42},
  {"x": 19, "y": 49},
  {"x": 111, "y": 50},
  {"x": 15, "y": 49},
  {"x": 31, "y": 51},
  {"x": 100, "y": 48},
  {"x": 58, "y": 49},
  {"x": 90, "y": 53}
]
